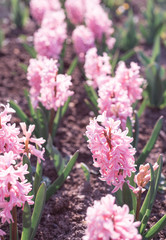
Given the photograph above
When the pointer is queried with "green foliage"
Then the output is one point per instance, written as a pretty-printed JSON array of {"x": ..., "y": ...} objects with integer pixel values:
[
  {"x": 20, "y": 13},
  {"x": 92, "y": 95},
  {"x": 1, "y": 38},
  {"x": 155, "y": 19},
  {"x": 86, "y": 171}
]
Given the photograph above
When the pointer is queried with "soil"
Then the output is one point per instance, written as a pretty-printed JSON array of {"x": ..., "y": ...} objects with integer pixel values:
[{"x": 64, "y": 214}]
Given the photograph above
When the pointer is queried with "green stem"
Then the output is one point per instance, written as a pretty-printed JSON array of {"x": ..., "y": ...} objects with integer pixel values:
[
  {"x": 52, "y": 115},
  {"x": 138, "y": 205},
  {"x": 14, "y": 223}
]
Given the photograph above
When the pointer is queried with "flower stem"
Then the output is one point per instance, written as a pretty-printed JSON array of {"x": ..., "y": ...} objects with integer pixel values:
[
  {"x": 14, "y": 224},
  {"x": 138, "y": 205},
  {"x": 52, "y": 115}
]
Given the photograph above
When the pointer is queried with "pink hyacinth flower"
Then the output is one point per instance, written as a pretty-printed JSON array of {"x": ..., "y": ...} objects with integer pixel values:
[
  {"x": 2, "y": 233},
  {"x": 52, "y": 20},
  {"x": 96, "y": 66},
  {"x": 111, "y": 150},
  {"x": 130, "y": 80},
  {"x": 143, "y": 177},
  {"x": 38, "y": 9},
  {"x": 34, "y": 72},
  {"x": 75, "y": 10},
  {"x": 27, "y": 140},
  {"x": 83, "y": 40},
  {"x": 105, "y": 220},
  {"x": 14, "y": 187},
  {"x": 113, "y": 100},
  {"x": 49, "y": 42},
  {"x": 98, "y": 22}
]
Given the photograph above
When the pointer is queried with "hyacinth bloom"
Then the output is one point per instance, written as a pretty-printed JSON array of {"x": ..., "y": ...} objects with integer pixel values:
[
  {"x": 105, "y": 220},
  {"x": 9, "y": 140},
  {"x": 2, "y": 233},
  {"x": 14, "y": 187},
  {"x": 49, "y": 42},
  {"x": 98, "y": 22},
  {"x": 34, "y": 73},
  {"x": 52, "y": 20},
  {"x": 114, "y": 101},
  {"x": 75, "y": 10},
  {"x": 83, "y": 40},
  {"x": 96, "y": 66},
  {"x": 130, "y": 80},
  {"x": 27, "y": 140},
  {"x": 38, "y": 10},
  {"x": 143, "y": 177},
  {"x": 111, "y": 150}
]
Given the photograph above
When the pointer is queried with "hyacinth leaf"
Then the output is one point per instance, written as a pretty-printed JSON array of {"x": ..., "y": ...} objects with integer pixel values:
[
  {"x": 31, "y": 109},
  {"x": 56, "y": 122},
  {"x": 30, "y": 50},
  {"x": 134, "y": 198},
  {"x": 127, "y": 55},
  {"x": 72, "y": 66},
  {"x": 61, "y": 179},
  {"x": 42, "y": 119},
  {"x": 23, "y": 117},
  {"x": 92, "y": 96},
  {"x": 61, "y": 59},
  {"x": 26, "y": 222},
  {"x": 143, "y": 58},
  {"x": 136, "y": 131},
  {"x": 24, "y": 67},
  {"x": 38, "y": 177},
  {"x": 58, "y": 160},
  {"x": 148, "y": 203},
  {"x": 114, "y": 60},
  {"x": 65, "y": 107},
  {"x": 151, "y": 142},
  {"x": 129, "y": 126},
  {"x": 86, "y": 171},
  {"x": 142, "y": 107},
  {"x": 118, "y": 196},
  {"x": 156, "y": 50},
  {"x": 29, "y": 175},
  {"x": 155, "y": 229},
  {"x": 127, "y": 197},
  {"x": 91, "y": 107},
  {"x": 38, "y": 209}
]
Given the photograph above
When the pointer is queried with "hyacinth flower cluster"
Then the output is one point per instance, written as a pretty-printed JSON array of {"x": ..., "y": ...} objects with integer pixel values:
[
  {"x": 14, "y": 187},
  {"x": 97, "y": 25},
  {"x": 111, "y": 150},
  {"x": 105, "y": 220},
  {"x": 50, "y": 37},
  {"x": 118, "y": 93}
]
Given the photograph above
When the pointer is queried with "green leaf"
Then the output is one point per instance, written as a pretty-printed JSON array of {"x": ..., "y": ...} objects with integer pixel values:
[
  {"x": 143, "y": 58},
  {"x": 156, "y": 50},
  {"x": 38, "y": 209},
  {"x": 136, "y": 131},
  {"x": 30, "y": 50},
  {"x": 92, "y": 95},
  {"x": 23, "y": 117},
  {"x": 26, "y": 222},
  {"x": 56, "y": 122},
  {"x": 72, "y": 66},
  {"x": 151, "y": 142},
  {"x": 61, "y": 179},
  {"x": 156, "y": 228},
  {"x": 91, "y": 107},
  {"x": 86, "y": 171},
  {"x": 127, "y": 55},
  {"x": 142, "y": 107},
  {"x": 42, "y": 123},
  {"x": 65, "y": 107},
  {"x": 148, "y": 203},
  {"x": 126, "y": 196},
  {"x": 38, "y": 177},
  {"x": 29, "y": 175},
  {"x": 118, "y": 197},
  {"x": 24, "y": 67},
  {"x": 129, "y": 126}
]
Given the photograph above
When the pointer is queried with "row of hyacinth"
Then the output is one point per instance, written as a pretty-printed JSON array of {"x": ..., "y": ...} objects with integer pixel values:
[{"x": 14, "y": 187}]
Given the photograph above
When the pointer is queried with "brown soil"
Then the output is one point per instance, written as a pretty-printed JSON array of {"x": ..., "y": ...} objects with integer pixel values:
[{"x": 64, "y": 214}]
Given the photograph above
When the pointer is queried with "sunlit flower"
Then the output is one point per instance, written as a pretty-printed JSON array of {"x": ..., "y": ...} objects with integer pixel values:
[
  {"x": 75, "y": 10},
  {"x": 111, "y": 150},
  {"x": 52, "y": 20},
  {"x": 105, "y": 220}
]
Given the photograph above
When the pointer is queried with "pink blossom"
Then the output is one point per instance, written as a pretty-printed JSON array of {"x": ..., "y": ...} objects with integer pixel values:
[
  {"x": 111, "y": 150},
  {"x": 52, "y": 20},
  {"x": 54, "y": 89},
  {"x": 98, "y": 22},
  {"x": 113, "y": 100},
  {"x": 35, "y": 69},
  {"x": 75, "y": 10},
  {"x": 49, "y": 42},
  {"x": 105, "y": 220},
  {"x": 130, "y": 80},
  {"x": 14, "y": 187},
  {"x": 38, "y": 9},
  {"x": 9, "y": 140},
  {"x": 83, "y": 39},
  {"x": 27, "y": 140},
  {"x": 143, "y": 177},
  {"x": 96, "y": 66},
  {"x": 2, "y": 233}
]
